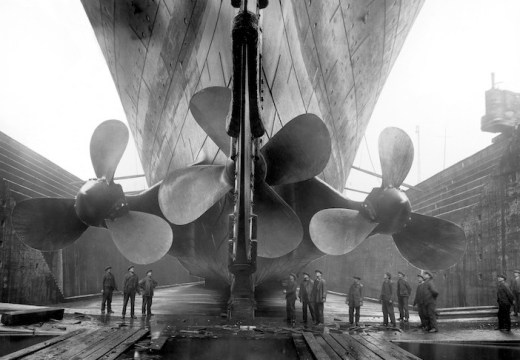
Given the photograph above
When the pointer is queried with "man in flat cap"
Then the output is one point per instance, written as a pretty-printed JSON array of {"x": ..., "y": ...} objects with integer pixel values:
[
  {"x": 386, "y": 298},
  {"x": 355, "y": 300},
  {"x": 505, "y": 299},
  {"x": 515, "y": 288},
  {"x": 305, "y": 296},
  {"x": 146, "y": 287},
  {"x": 430, "y": 299},
  {"x": 130, "y": 287},
  {"x": 403, "y": 293},
  {"x": 290, "y": 299},
  {"x": 419, "y": 301},
  {"x": 319, "y": 296},
  {"x": 109, "y": 285}
]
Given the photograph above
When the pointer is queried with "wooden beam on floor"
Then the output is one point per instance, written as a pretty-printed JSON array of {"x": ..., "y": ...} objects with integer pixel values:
[
  {"x": 26, "y": 317},
  {"x": 336, "y": 346},
  {"x": 390, "y": 348},
  {"x": 354, "y": 349},
  {"x": 315, "y": 347},
  {"x": 329, "y": 350},
  {"x": 302, "y": 349}
]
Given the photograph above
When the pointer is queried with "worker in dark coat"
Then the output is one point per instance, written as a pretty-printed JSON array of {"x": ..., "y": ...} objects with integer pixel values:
[
  {"x": 419, "y": 301},
  {"x": 355, "y": 300},
  {"x": 403, "y": 293},
  {"x": 386, "y": 298},
  {"x": 130, "y": 287},
  {"x": 505, "y": 299},
  {"x": 319, "y": 296},
  {"x": 109, "y": 285},
  {"x": 430, "y": 299},
  {"x": 146, "y": 287},
  {"x": 290, "y": 299},
  {"x": 515, "y": 288},
  {"x": 305, "y": 296}
]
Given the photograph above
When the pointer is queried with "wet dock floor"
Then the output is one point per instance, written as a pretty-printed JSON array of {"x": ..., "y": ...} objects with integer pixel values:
[{"x": 191, "y": 319}]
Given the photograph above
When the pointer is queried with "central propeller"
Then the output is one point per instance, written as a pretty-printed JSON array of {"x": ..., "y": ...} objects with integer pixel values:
[
  {"x": 299, "y": 151},
  {"x": 49, "y": 224},
  {"x": 426, "y": 242}
]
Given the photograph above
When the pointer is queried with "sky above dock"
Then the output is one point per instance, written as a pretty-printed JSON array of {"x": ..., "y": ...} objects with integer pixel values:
[{"x": 56, "y": 88}]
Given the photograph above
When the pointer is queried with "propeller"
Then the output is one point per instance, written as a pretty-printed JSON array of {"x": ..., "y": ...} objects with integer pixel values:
[
  {"x": 297, "y": 152},
  {"x": 426, "y": 242},
  {"x": 50, "y": 224}
]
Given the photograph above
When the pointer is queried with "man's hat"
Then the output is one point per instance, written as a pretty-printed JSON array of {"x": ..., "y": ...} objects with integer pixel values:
[
  {"x": 400, "y": 272},
  {"x": 108, "y": 267},
  {"x": 389, "y": 275},
  {"x": 318, "y": 271},
  {"x": 356, "y": 277},
  {"x": 293, "y": 275},
  {"x": 429, "y": 274},
  {"x": 130, "y": 267},
  {"x": 149, "y": 271},
  {"x": 420, "y": 275},
  {"x": 516, "y": 271},
  {"x": 306, "y": 274},
  {"x": 502, "y": 276}
]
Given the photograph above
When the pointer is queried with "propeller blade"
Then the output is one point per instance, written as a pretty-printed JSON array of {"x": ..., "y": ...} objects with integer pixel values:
[
  {"x": 47, "y": 224},
  {"x": 188, "y": 193},
  {"x": 395, "y": 155},
  {"x": 210, "y": 108},
  {"x": 107, "y": 146},
  {"x": 141, "y": 238},
  {"x": 339, "y": 231},
  {"x": 279, "y": 228},
  {"x": 431, "y": 243},
  {"x": 299, "y": 151}
]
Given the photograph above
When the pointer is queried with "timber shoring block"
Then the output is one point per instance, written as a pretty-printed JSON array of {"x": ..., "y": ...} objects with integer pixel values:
[
  {"x": 301, "y": 348},
  {"x": 26, "y": 317},
  {"x": 315, "y": 347},
  {"x": 390, "y": 347},
  {"x": 354, "y": 349},
  {"x": 37, "y": 347},
  {"x": 328, "y": 349},
  {"x": 122, "y": 347}
]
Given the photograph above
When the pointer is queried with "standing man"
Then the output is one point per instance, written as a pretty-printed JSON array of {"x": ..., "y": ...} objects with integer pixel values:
[
  {"x": 403, "y": 293},
  {"x": 355, "y": 300},
  {"x": 419, "y": 301},
  {"x": 146, "y": 287},
  {"x": 305, "y": 296},
  {"x": 430, "y": 299},
  {"x": 290, "y": 299},
  {"x": 515, "y": 288},
  {"x": 319, "y": 296},
  {"x": 130, "y": 287},
  {"x": 387, "y": 293},
  {"x": 505, "y": 299},
  {"x": 109, "y": 285}
]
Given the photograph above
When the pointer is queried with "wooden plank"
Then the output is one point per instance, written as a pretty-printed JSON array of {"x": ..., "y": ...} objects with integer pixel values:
[
  {"x": 32, "y": 349},
  {"x": 316, "y": 349},
  {"x": 301, "y": 348},
  {"x": 354, "y": 349},
  {"x": 376, "y": 349},
  {"x": 72, "y": 346},
  {"x": 121, "y": 348},
  {"x": 329, "y": 350},
  {"x": 25, "y": 317},
  {"x": 104, "y": 346},
  {"x": 158, "y": 343},
  {"x": 391, "y": 348},
  {"x": 334, "y": 345}
]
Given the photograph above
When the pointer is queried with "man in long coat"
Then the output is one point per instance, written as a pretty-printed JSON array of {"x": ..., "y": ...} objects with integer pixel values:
[
  {"x": 305, "y": 296},
  {"x": 430, "y": 299},
  {"x": 130, "y": 287},
  {"x": 355, "y": 300},
  {"x": 109, "y": 285},
  {"x": 505, "y": 299},
  {"x": 419, "y": 301},
  {"x": 319, "y": 296},
  {"x": 290, "y": 299},
  {"x": 403, "y": 293},
  {"x": 146, "y": 287},
  {"x": 386, "y": 298}
]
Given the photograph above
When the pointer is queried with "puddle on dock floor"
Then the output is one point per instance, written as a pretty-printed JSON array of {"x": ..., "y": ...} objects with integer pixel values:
[
  {"x": 445, "y": 351},
  {"x": 12, "y": 343}
]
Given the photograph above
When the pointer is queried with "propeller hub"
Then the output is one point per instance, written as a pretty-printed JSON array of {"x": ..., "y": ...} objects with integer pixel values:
[
  {"x": 98, "y": 200},
  {"x": 389, "y": 207}
]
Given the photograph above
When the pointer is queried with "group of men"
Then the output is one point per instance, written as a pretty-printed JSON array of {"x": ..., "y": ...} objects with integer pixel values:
[
  {"x": 131, "y": 286},
  {"x": 312, "y": 295}
]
